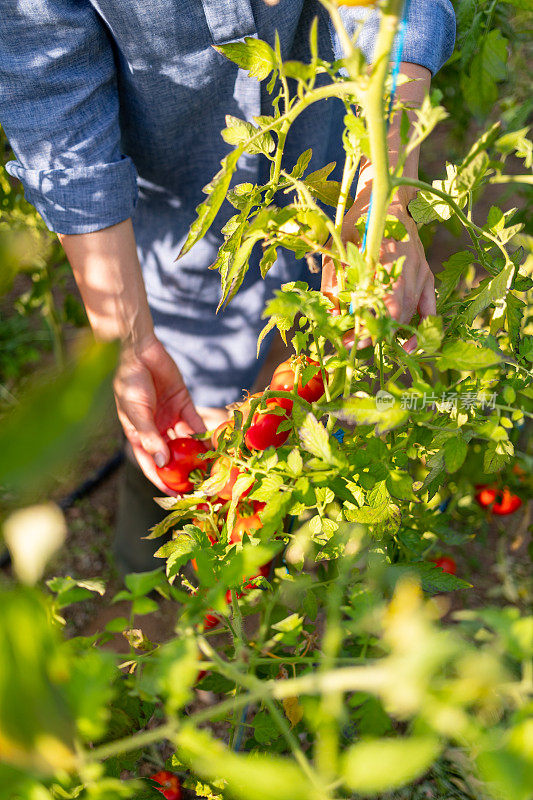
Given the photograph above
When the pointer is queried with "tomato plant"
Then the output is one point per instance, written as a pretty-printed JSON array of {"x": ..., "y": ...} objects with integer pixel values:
[{"x": 333, "y": 675}]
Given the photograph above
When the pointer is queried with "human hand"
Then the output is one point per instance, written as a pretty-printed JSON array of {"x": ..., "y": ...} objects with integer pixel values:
[
  {"x": 415, "y": 289},
  {"x": 151, "y": 397}
]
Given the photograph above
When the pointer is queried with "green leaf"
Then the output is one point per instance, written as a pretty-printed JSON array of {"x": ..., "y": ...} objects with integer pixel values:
[
  {"x": 239, "y": 132},
  {"x": 249, "y": 777},
  {"x": 325, "y": 191},
  {"x": 170, "y": 672},
  {"x": 252, "y": 55},
  {"x": 70, "y": 591},
  {"x": 400, "y": 484},
  {"x": 488, "y": 67},
  {"x": 513, "y": 318},
  {"x": 301, "y": 164},
  {"x": 37, "y": 728},
  {"x": 54, "y": 416},
  {"x": 231, "y": 282},
  {"x": 357, "y": 128},
  {"x": 517, "y": 142},
  {"x": 429, "y": 334},
  {"x": 470, "y": 176},
  {"x": 315, "y": 439},
  {"x": 294, "y": 462},
  {"x": 455, "y": 450},
  {"x": 265, "y": 729},
  {"x": 497, "y": 455},
  {"x": 90, "y": 691},
  {"x": 310, "y": 605},
  {"x": 378, "y": 765},
  {"x": 383, "y": 411},
  {"x": 144, "y": 605},
  {"x": 207, "y": 211},
  {"x": 142, "y": 583},
  {"x": 453, "y": 271},
  {"x": 486, "y": 140},
  {"x": 427, "y": 207},
  {"x": 432, "y": 578},
  {"x": 466, "y": 356},
  {"x": 508, "y": 767},
  {"x": 494, "y": 290},
  {"x": 298, "y": 71},
  {"x": 270, "y": 484}
]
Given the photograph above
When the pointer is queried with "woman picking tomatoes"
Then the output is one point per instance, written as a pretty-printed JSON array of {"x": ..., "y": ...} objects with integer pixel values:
[{"x": 116, "y": 130}]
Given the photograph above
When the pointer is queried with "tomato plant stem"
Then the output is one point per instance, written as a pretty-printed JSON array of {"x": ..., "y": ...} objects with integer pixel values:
[
  {"x": 374, "y": 106},
  {"x": 427, "y": 187}
]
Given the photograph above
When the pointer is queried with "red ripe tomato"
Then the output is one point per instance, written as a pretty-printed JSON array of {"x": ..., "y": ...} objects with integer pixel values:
[
  {"x": 263, "y": 432},
  {"x": 170, "y": 784},
  {"x": 221, "y": 465},
  {"x": 507, "y": 503},
  {"x": 264, "y": 571},
  {"x": 184, "y": 459},
  {"x": 211, "y": 621},
  {"x": 283, "y": 381},
  {"x": 485, "y": 496},
  {"x": 247, "y": 523},
  {"x": 446, "y": 564}
]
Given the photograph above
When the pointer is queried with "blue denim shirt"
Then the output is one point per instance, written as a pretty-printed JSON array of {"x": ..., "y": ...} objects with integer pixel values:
[{"x": 114, "y": 110}]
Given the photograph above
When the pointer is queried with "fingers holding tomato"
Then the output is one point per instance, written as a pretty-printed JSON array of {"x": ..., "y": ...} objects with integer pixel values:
[{"x": 184, "y": 459}]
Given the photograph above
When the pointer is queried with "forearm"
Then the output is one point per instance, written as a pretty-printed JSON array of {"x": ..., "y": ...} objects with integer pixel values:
[
  {"x": 107, "y": 270},
  {"x": 411, "y": 95}
]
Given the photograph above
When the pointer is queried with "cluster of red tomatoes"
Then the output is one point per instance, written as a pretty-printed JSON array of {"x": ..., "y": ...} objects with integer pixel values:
[
  {"x": 499, "y": 501},
  {"x": 187, "y": 457},
  {"x": 263, "y": 431},
  {"x": 185, "y": 453}
]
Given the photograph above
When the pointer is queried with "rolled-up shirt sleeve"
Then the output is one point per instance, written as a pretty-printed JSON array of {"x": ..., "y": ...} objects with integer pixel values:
[
  {"x": 429, "y": 36},
  {"x": 59, "y": 109}
]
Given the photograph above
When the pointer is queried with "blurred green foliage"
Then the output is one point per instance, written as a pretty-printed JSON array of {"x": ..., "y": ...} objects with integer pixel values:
[{"x": 36, "y": 304}]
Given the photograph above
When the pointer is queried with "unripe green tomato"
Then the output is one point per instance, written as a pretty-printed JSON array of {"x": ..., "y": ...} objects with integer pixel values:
[{"x": 318, "y": 230}]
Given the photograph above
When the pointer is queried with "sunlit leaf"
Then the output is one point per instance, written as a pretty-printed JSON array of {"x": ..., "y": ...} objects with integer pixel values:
[{"x": 378, "y": 765}]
